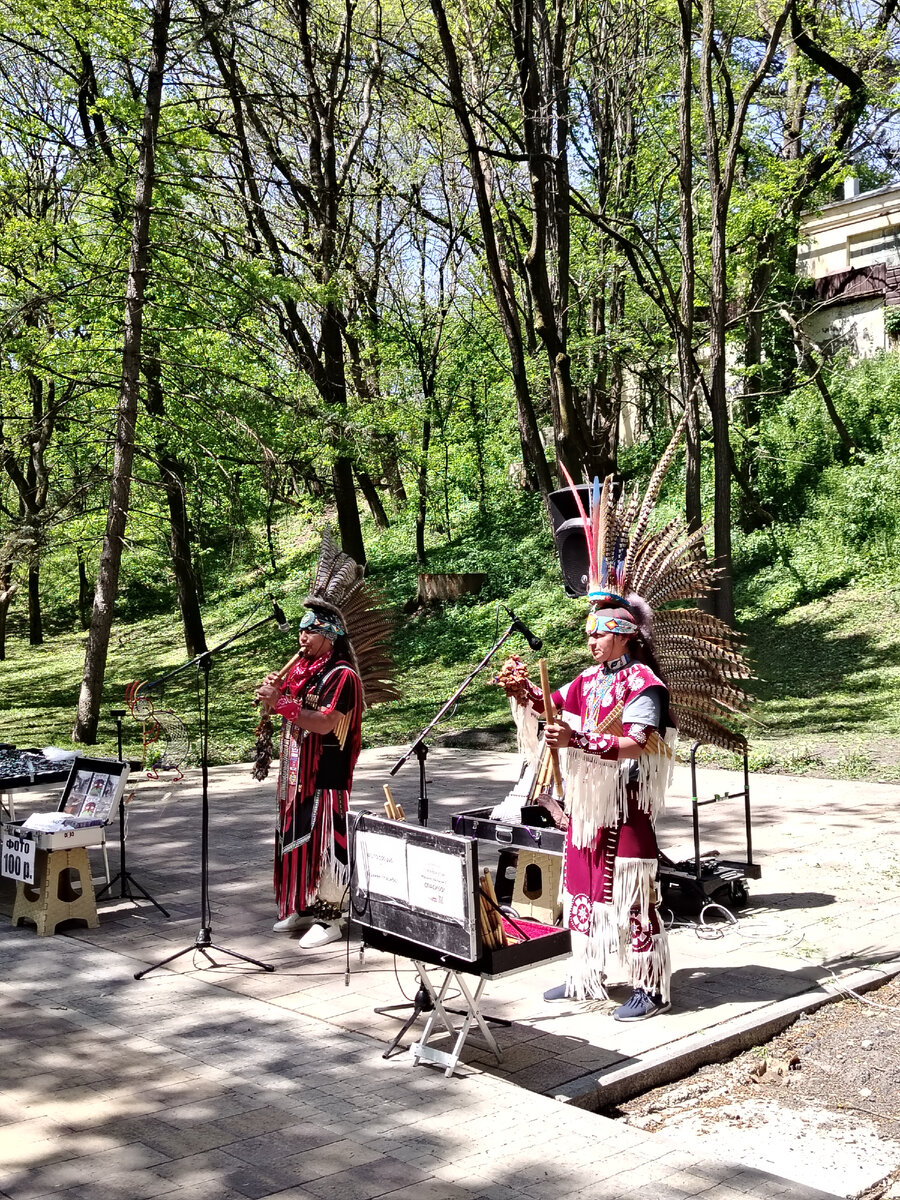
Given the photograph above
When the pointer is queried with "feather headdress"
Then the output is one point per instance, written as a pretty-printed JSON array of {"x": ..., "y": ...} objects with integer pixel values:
[
  {"x": 628, "y": 562},
  {"x": 340, "y": 590}
]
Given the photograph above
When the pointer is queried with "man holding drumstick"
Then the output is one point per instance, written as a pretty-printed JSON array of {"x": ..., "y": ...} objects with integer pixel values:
[{"x": 612, "y": 721}]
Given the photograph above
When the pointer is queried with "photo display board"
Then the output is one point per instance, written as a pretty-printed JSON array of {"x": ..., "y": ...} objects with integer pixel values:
[
  {"x": 93, "y": 789},
  {"x": 415, "y": 884}
]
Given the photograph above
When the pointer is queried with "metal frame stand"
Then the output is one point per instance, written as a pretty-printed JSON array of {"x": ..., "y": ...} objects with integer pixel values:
[
  {"x": 702, "y": 877},
  {"x": 203, "y": 942},
  {"x": 422, "y": 1051},
  {"x": 123, "y": 877}
]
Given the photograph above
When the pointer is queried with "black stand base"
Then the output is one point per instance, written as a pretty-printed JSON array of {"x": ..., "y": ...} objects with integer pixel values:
[
  {"x": 126, "y": 880},
  {"x": 204, "y": 943},
  {"x": 421, "y": 1003}
]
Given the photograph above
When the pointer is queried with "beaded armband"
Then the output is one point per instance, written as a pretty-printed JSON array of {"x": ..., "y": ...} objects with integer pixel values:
[{"x": 638, "y": 733}]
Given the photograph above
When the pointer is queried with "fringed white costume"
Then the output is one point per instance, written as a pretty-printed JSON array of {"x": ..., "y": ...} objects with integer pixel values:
[{"x": 617, "y": 722}]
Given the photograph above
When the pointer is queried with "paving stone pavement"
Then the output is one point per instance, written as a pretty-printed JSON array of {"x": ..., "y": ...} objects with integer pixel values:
[
  {"x": 173, "y": 1088},
  {"x": 234, "y": 1083}
]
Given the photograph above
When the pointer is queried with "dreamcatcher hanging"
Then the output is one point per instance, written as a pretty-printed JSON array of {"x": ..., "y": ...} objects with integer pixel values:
[{"x": 164, "y": 739}]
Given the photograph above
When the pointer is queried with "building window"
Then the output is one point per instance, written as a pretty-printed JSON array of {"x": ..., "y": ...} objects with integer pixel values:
[{"x": 881, "y": 246}]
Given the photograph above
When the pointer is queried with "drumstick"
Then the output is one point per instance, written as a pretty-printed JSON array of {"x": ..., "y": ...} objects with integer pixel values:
[
  {"x": 488, "y": 936},
  {"x": 550, "y": 715},
  {"x": 496, "y": 920}
]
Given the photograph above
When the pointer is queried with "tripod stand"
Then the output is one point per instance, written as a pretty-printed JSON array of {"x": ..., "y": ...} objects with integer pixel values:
[
  {"x": 203, "y": 942},
  {"x": 123, "y": 877}
]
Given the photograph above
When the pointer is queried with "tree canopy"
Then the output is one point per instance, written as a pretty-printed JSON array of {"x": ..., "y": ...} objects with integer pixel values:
[{"x": 401, "y": 256}]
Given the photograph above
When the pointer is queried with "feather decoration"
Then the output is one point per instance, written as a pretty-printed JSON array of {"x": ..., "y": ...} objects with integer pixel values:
[
  {"x": 340, "y": 588},
  {"x": 700, "y": 656},
  {"x": 598, "y": 526},
  {"x": 652, "y": 495}
]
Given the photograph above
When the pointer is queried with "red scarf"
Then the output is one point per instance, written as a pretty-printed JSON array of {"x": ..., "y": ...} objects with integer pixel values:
[{"x": 302, "y": 672}]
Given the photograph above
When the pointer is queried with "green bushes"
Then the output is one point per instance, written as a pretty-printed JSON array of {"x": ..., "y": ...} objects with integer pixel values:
[{"x": 836, "y": 525}]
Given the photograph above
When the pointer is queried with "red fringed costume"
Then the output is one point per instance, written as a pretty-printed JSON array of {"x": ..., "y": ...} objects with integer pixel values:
[{"x": 314, "y": 780}]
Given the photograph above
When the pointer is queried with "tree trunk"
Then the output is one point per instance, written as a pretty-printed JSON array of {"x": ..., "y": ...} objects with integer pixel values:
[
  {"x": 813, "y": 363},
  {"x": 533, "y": 455},
  {"x": 724, "y": 125},
  {"x": 347, "y": 509},
  {"x": 479, "y": 426},
  {"x": 345, "y": 498},
  {"x": 7, "y": 591},
  {"x": 687, "y": 368},
  {"x": 270, "y": 539},
  {"x": 422, "y": 487},
  {"x": 85, "y": 594},
  {"x": 745, "y": 471},
  {"x": 126, "y": 410},
  {"x": 35, "y": 622},
  {"x": 724, "y": 596},
  {"x": 391, "y": 469},
  {"x": 372, "y": 498},
  {"x": 545, "y": 124},
  {"x": 171, "y": 470},
  {"x": 172, "y": 473}
]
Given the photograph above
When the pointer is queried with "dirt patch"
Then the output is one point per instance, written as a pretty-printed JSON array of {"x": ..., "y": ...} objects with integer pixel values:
[{"x": 819, "y": 1103}]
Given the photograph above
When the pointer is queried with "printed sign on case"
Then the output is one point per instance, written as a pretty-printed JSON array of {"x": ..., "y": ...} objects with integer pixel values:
[
  {"x": 436, "y": 882},
  {"x": 17, "y": 856},
  {"x": 381, "y": 866}
]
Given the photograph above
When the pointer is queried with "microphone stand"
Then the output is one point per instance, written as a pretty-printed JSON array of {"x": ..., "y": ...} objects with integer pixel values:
[
  {"x": 418, "y": 746},
  {"x": 203, "y": 942}
]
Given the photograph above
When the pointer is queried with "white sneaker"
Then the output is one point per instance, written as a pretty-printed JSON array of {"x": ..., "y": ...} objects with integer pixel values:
[
  {"x": 291, "y": 922},
  {"x": 320, "y": 935}
]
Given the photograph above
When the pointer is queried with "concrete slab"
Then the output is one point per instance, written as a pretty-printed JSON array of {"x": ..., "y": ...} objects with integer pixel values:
[{"x": 196, "y": 1079}]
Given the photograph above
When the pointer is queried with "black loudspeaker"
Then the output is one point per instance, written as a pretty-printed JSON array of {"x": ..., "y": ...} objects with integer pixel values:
[{"x": 569, "y": 535}]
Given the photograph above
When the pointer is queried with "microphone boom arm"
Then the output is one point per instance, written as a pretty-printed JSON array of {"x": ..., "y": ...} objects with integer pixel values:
[
  {"x": 513, "y": 628},
  {"x": 206, "y": 654}
]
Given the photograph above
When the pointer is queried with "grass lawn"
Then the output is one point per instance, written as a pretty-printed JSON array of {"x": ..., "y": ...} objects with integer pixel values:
[{"x": 828, "y": 680}]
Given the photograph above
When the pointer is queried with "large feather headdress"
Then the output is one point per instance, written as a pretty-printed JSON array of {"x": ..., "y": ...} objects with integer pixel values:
[
  {"x": 652, "y": 570},
  {"x": 339, "y": 589}
]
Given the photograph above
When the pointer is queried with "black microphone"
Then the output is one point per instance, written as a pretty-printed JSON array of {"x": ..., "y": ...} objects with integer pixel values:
[
  {"x": 520, "y": 627},
  {"x": 280, "y": 619}
]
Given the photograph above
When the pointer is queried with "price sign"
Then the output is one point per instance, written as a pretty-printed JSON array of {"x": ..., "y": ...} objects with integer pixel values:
[{"x": 17, "y": 855}]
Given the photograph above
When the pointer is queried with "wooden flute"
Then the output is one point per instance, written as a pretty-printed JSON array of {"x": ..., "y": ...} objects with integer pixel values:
[{"x": 281, "y": 675}]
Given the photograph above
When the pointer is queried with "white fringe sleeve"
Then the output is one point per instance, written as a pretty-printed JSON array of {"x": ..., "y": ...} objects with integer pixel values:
[
  {"x": 526, "y": 722},
  {"x": 597, "y": 788}
]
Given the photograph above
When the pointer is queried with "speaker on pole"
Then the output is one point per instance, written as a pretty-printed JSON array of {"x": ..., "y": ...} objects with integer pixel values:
[{"x": 569, "y": 535}]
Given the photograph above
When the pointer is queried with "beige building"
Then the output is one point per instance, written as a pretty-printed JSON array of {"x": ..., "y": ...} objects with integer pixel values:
[{"x": 851, "y": 251}]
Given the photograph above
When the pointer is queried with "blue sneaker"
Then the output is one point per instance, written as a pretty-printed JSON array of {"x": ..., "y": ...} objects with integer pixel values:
[
  {"x": 554, "y": 994},
  {"x": 640, "y": 1006}
]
